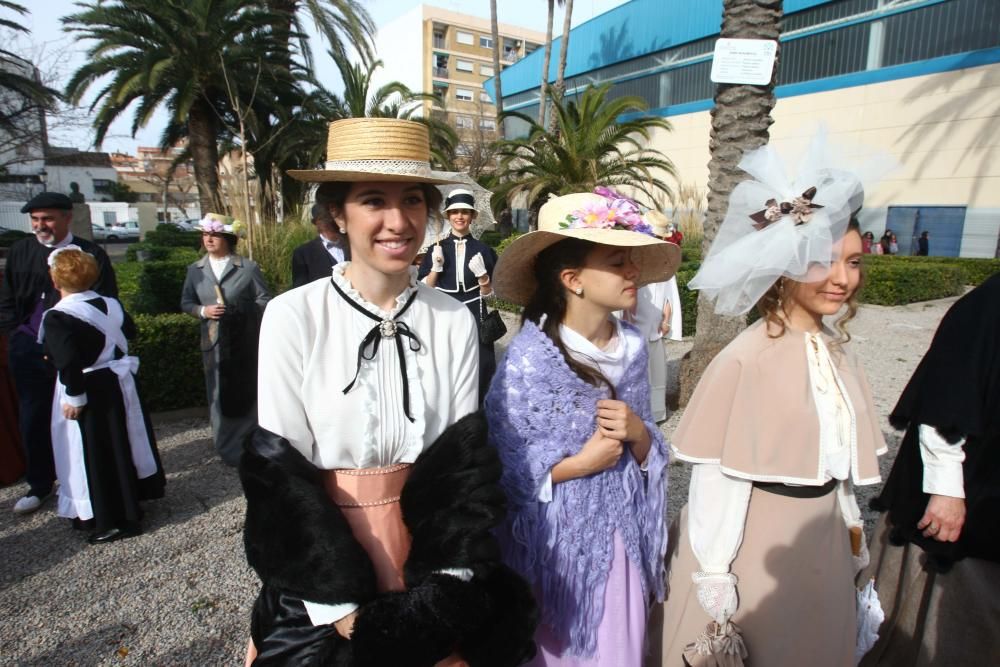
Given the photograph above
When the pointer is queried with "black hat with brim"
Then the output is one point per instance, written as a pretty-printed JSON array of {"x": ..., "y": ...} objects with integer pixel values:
[{"x": 55, "y": 200}]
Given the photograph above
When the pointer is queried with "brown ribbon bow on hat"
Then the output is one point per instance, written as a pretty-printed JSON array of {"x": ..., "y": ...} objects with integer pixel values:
[{"x": 800, "y": 208}]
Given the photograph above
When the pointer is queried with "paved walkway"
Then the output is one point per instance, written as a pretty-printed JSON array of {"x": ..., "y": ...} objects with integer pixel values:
[{"x": 181, "y": 593}]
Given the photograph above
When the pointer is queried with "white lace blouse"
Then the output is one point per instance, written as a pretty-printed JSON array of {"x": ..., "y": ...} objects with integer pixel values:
[{"x": 309, "y": 354}]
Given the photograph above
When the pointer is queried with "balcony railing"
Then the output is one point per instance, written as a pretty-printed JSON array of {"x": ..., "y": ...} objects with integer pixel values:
[
  {"x": 441, "y": 72},
  {"x": 439, "y": 42}
]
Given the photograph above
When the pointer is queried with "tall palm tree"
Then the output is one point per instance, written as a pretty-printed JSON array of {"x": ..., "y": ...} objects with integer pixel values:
[
  {"x": 740, "y": 121},
  {"x": 559, "y": 88},
  {"x": 22, "y": 92},
  {"x": 495, "y": 33},
  {"x": 345, "y": 24},
  {"x": 591, "y": 146},
  {"x": 546, "y": 58},
  {"x": 178, "y": 55}
]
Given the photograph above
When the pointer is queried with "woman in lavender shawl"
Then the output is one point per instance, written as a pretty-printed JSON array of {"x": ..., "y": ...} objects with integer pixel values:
[{"x": 569, "y": 413}]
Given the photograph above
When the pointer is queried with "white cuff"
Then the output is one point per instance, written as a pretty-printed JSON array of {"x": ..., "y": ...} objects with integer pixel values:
[
  {"x": 943, "y": 475},
  {"x": 76, "y": 401},
  {"x": 545, "y": 490},
  {"x": 463, "y": 573},
  {"x": 325, "y": 614},
  {"x": 201, "y": 313}
]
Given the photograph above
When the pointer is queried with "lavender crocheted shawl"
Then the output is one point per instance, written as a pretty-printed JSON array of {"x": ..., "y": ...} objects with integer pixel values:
[{"x": 539, "y": 413}]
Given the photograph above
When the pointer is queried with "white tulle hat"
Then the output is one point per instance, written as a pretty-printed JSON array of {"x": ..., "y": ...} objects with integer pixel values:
[{"x": 778, "y": 226}]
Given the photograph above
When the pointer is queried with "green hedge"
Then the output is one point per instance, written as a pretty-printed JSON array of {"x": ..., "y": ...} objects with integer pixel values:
[
  {"x": 973, "y": 270},
  {"x": 8, "y": 237},
  {"x": 157, "y": 252},
  {"x": 895, "y": 284},
  {"x": 151, "y": 287},
  {"x": 491, "y": 237},
  {"x": 689, "y": 298},
  {"x": 170, "y": 236},
  {"x": 170, "y": 370}
]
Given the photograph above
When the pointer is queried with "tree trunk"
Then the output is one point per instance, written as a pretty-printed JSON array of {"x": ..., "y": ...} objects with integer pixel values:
[
  {"x": 559, "y": 89},
  {"x": 202, "y": 135},
  {"x": 740, "y": 121},
  {"x": 543, "y": 90},
  {"x": 495, "y": 30}
]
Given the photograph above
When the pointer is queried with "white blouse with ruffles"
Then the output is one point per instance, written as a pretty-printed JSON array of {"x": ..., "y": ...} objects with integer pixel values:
[{"x": 309, "y": 353}]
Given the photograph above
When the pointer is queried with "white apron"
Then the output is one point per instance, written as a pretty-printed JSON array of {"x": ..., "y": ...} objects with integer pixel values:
[{"x": 67, "y": 439}]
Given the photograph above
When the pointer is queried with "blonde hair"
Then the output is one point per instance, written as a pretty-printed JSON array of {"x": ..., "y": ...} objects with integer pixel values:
[{"x": 74, "y": 270}]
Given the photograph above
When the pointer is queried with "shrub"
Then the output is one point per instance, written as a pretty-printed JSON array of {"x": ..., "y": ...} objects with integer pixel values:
[
  {"x": 691, "y": 250},
  {"x": 272, "y": 250},
  {"x": 898, "y": 283},
  {"x": 503, "y": 245},
  {"x": 9, "y": 236},
  {"x": 170, "y": 369},
  {"x": 151, "y": 287},
  {"x": 974, "y": 270},
  {"x": 155, "y": 252},
  {"x": 491, "y": 237},
  {"x": 689, "y": 298},
  {"x": 170, "y": 236}
]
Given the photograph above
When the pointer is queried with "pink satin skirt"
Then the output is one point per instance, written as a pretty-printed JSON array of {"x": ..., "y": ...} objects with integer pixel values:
[{"x": 369, "y": 500}]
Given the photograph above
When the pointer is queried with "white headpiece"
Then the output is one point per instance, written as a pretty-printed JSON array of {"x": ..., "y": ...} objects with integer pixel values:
[{"x": 778, "y": 226}]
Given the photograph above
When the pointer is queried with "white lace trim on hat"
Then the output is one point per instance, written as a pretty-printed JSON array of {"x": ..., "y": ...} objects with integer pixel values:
[{"x": 401, "y": 167}]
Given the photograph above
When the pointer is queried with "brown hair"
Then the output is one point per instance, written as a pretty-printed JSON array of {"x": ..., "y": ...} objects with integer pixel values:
[
  {"x": 771, "y": 307},
  {"x": 549, "y": 299},
  {"x": 334, "y": 194},
  {"x": 74, "y": 270}
]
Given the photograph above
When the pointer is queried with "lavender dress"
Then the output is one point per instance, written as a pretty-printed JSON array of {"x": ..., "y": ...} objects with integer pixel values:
[{"x": 591, "y": 547}]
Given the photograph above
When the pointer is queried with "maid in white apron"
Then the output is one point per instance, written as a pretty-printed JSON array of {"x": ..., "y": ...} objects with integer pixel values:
[{"x": 105, "y": 451}]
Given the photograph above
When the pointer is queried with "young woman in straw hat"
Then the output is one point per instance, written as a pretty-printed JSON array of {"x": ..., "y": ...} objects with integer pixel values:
[
  {"x": 569, "y": 413},
  {"x": 779, "y": 429},
  {"x": 461, "y": 266},
  {"x": 371, "y": 489},
  {"x": 227, "y": 293}
]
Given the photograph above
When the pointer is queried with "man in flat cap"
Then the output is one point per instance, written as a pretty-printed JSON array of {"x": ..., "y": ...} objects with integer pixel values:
[{"x": 26, "y": 293}]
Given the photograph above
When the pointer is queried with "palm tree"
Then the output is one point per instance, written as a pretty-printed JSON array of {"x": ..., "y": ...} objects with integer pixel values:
[
  {"x": 21, "y": 90},
  {"x": 559, "y": 88},
  {"x": 590, "y": 146},
  {"x": 178, "y": 55},
  {"x": 740, "y": 121},
  {"x": 495, "y": 33},
  {"x": 345, "y": 24},
  {"x": 546, "y": 57}
]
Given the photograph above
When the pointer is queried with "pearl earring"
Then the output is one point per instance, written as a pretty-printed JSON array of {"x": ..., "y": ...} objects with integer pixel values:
[
  {"x": 579, "y": 291},
  {"x": 342, "y": 230}
]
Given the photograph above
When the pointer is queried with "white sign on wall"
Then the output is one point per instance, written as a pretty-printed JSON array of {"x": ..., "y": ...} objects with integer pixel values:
[{"x": 744, "y": 61}]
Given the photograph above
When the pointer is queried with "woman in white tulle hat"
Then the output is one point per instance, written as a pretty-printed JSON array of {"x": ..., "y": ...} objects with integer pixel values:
[{"x": 780, "y": 429}]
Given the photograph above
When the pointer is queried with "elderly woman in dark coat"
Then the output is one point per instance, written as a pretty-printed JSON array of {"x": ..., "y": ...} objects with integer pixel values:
[{"x": 228, "y": 294}]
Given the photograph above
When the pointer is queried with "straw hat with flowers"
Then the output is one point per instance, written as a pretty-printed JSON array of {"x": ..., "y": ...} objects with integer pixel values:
[
  {"x": 603, "y": 217},
  {"x": 375, "y": 149}
]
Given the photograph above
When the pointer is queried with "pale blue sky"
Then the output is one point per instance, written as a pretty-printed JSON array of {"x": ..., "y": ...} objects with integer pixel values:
[{"x": 58, "y": 51}]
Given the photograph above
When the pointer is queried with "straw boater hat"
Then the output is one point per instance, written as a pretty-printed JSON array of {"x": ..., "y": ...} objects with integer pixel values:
[
  {"x": 589, "y": 217},
  {"x": 374, "y": 149}
]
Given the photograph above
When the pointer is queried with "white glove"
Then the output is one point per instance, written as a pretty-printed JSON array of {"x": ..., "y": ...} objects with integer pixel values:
[
  {"x": 717, "y": 595},
  {"x": 437, "y": 259},
  {"x": 477, "y": 265}
]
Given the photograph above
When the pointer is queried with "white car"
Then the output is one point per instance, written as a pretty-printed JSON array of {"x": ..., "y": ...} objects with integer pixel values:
[{"x": 125, "y": 231}]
